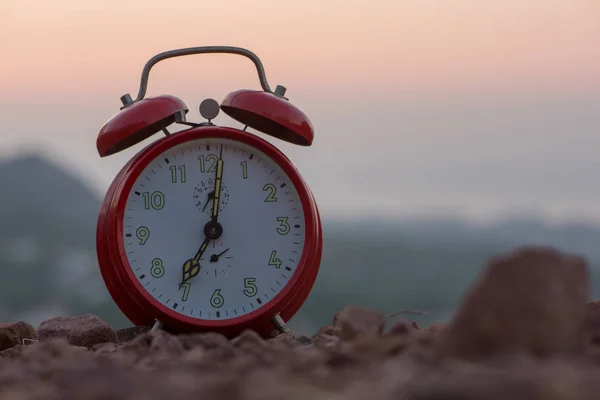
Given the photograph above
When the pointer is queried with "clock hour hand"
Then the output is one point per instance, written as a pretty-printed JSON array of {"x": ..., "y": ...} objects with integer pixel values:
[
  {"x": 217, "y": 195},
  {"x": 191, "y": 267}
]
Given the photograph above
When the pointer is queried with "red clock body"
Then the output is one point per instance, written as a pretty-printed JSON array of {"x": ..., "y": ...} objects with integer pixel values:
[{"x": 209, "y": 229}]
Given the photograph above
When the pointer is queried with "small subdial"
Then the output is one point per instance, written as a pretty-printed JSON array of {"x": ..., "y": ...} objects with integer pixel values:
[
  {"x": 217, "y": 259},
  {"x": 204, "y": 194}
]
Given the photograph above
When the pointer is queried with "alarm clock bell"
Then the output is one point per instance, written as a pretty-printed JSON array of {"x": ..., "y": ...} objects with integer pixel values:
[{"x": 266, "y": 111}]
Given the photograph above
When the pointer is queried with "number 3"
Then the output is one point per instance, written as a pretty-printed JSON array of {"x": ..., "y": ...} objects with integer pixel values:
[{"x": 284, "y": 227}]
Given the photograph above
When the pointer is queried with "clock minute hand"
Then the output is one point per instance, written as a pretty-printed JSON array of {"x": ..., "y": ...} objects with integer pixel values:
[{"x": 218, "y": 179}]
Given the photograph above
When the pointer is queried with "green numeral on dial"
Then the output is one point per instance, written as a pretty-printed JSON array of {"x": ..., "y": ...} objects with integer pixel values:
[
  {"x": 186, "y": 290},
  {"x": 157, "y": 269},
  {"x": 284, "y": 227},
  {"x": 156, "y": 200},
  {"x": 274, "y": 260},
  {"x": 271, "y": 196},
  {"x": 250, "y": 288},
  {"x": 206, "y": 160},
  {"x": 244, "y": 165},
  {"x": 174, "y": 173},
  {"x": 216, "y": 300},
  {"x": 143, "y": 234}
]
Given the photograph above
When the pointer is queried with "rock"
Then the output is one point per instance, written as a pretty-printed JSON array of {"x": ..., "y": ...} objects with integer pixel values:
[
  {"x": 127, "y": 334},
  {"x": 327, "y": 336},
  {"x": 246, "y": 339},
  {"x": 85, "y": 330},
  {"x": 354, "y": 321},
  {"x": 15, "y": 333},
  {"x": 401, "y": 327},
  {"x": 208, "y": 341},
  {"x": 532, "y": 301}
]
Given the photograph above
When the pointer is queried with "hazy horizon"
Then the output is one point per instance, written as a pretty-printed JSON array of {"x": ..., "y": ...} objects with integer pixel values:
[{"x": 420, "y": 107}]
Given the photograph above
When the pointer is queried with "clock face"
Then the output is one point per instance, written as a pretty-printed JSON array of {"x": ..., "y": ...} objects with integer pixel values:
[{"x": 262, "y": 220}]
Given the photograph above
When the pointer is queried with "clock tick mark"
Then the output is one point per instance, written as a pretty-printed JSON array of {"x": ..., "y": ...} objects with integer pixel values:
[
  {"x": 138, "y": 193},
  {"x": 167, "y": 160},
  {"x": 128, "y": 235},
  {"x": 288, "y": 269},
  {"x": 284, "y": 277},
  {"x": 282, "y": 186},
  {"x": 259, "y": 301},
  {"x": 175, "y": 306}
]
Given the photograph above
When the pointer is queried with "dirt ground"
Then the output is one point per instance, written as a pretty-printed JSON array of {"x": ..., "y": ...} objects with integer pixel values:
[{"x": 525, "y": 330}]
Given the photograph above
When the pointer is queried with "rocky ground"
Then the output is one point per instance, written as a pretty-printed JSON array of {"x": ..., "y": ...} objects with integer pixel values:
[{"x": 525, "y": 330}]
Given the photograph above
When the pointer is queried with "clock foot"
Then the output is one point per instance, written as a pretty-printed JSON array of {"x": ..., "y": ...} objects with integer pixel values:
[
  {"x": 280, "y": 324},
  {"x": 157, "y": 325}
]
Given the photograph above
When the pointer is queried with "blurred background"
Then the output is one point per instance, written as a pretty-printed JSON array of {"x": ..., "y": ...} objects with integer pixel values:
[{"x": 447, "y": 131}]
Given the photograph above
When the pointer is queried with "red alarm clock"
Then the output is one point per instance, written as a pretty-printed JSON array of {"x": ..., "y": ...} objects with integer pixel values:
[{"x": 211, "y": 228}]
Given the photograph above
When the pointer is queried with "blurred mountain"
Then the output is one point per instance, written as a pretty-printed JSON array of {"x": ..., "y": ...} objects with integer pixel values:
[
  {"x": 47, "y": 243},
  {"x": 48, "y": 261}
]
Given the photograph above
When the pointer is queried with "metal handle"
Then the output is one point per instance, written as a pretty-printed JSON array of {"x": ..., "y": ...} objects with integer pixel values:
[{"x": 279, "y": 90}]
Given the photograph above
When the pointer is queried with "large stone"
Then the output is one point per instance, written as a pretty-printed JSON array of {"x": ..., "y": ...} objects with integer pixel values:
[
  {"x": 355, "y": 321},
  {"x": 85, "y": 330},
  {"x": 533, "y": 300},
  {"x": 15, "y": 333}
]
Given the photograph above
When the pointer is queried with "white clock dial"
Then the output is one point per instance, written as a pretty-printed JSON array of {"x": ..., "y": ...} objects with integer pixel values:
[{"x": 259, "y": 210}]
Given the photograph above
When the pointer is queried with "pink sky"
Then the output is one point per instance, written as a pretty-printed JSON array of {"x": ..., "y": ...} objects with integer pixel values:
[
  {"x": 418, "y": 45},
  {"x": 439, "y": 87}
]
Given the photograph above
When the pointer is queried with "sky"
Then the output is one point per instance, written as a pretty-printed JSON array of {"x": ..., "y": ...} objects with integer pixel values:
[{"x": 468, "y": 108}]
